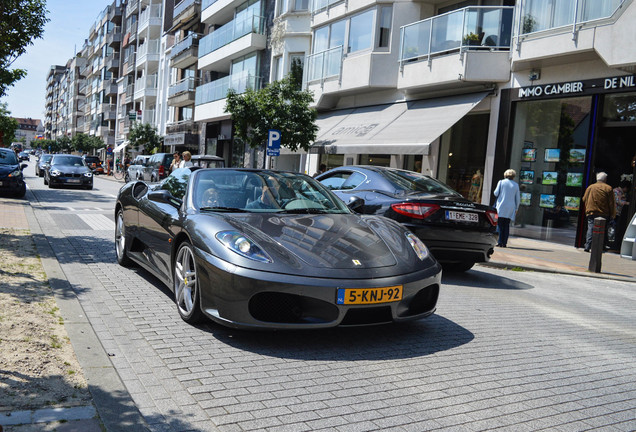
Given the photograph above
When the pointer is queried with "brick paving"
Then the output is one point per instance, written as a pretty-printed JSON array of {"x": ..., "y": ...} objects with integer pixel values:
[{"x": 505, "y": 351}]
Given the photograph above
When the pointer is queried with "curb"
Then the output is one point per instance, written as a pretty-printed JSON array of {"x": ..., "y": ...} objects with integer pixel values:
[{"x": 528, "y": 267}]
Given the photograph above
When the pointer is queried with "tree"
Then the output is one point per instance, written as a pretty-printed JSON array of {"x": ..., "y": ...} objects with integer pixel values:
[
  {"x": 143, "y": 134},
  {"x": 86, "y": 143},
  {"x": 21, "y": 21},
  {"x": 282, "y": 106},
  {"x": 8, "y": 126}
]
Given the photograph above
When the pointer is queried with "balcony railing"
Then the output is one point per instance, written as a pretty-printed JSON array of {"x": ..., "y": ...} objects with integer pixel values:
[
  {"x": 185, "y": 85},
  {"x": 230, "y": 32},
  {"x": 463, "y": 29},
  {"x": 217, "y": 90},
  {"x": 191, "y": 40},
  {"x": 319, "y": 5},
  {"x": 207, "y": 3},
  {"x": 131, "y": 7},
  {"x": 182, "y": 6},
  {"x": 146, "y": 82},
  {"x": 538, "y": 15},
  {"x": 324, "y": 64},
  {"x": 154, "y": 11},
  {"x": 150, "y": 47}
]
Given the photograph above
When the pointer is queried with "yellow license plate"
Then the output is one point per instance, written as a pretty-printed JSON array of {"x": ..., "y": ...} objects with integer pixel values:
[{"x": 360, "y": 296}]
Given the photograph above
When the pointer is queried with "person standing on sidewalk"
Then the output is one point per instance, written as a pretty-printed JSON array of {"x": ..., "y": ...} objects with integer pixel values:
[
  {"x": 507, "y": 193},
  {"x": 599, "y": 202}
]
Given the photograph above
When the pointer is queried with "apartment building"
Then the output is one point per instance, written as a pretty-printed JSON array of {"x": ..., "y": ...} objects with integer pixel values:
[
  {"x": 28, "y": 130},
  {"x": 52, "y": 119},
  {"x": 463, "y": 90}
]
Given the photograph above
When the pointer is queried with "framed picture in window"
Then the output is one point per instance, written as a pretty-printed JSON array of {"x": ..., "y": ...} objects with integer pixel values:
[
  {"x": 526, "y": 198},
  {"x": 552, "y": 155},
  {"x": 547, "y": 201},
  {"x": 528, "y": 154},
  {"x": 571, "y": 203},
  {"x": 577, "y": 156},
  {"x": 549, "y": 177},
  {"x": 574, "y": 179},
  {"x": 526, "y": 176}
]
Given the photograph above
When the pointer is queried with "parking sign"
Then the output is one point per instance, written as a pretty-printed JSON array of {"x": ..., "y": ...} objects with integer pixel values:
[{"x": 273, "y": 142}]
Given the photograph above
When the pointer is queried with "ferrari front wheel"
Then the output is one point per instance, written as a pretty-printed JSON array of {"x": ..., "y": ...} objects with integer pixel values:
[{"x": 186, "y": 285}]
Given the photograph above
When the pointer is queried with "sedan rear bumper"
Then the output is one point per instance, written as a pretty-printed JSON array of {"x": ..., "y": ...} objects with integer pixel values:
[{"x": 452, "y": 246}]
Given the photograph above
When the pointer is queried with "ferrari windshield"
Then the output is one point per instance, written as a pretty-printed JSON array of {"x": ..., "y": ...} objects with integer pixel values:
[{"x": 265, "y": 191}]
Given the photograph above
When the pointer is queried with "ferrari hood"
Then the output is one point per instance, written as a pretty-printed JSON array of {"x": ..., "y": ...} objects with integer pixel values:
[{"x": 329, "y": 241}]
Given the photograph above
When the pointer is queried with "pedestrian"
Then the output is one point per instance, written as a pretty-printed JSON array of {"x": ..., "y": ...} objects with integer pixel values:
[
  {"x": 321, "y": 169},
  {"x": 599, "y": 202},
  {"x": 176, "y": 161},
  {"x": 508, "y": 199},
  {"x": 186, "y": 159}
]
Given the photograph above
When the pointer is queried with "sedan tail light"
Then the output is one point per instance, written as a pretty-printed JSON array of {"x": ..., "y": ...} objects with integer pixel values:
[
  {"x": 161, "y": 170},
  {"x": 415, "y": 210},
  {"x": 492, "y": 217}
]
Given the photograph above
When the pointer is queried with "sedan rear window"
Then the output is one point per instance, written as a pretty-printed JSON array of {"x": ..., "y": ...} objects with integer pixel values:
[{"x": 410, "y": 181}]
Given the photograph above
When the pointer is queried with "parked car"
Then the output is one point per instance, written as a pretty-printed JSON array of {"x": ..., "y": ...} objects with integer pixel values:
[
  {"x": 457, "y": 231},
  {"x": 24, "y": 156},
  {"x": 208, "y": 161},
  {"x": 305, "y": 261},
  {"x": 158, "y": 167},
  {"x": 94, "y": 163},
  {"x": 136, "y": 168},
  {"x": 68, "y": 170},
  {"x": 11, "y": 176},
  {"x": 43, "y": 162}
]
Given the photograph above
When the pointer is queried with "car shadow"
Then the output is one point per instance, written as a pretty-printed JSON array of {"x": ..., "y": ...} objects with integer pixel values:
[
  {"x": 480, "y": 279},
  {"x": 377, "y": 342}
]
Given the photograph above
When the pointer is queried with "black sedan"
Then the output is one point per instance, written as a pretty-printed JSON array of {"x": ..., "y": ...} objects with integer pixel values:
[
  {"x": 11, "y": 176},
  {"x": 267, "y": 249},
  {"x": 24, "y": 156},
  {"x": 43, "y": 162},
  {"x": 458, "y": 232},
  {"x": 68, "y": 170}
]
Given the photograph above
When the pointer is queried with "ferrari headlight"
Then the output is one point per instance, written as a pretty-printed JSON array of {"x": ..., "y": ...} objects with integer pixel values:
[
  {"x": 418, "y": 246},
  {"x": 243, "y": 245},
  {"x": 16, "y": 173},
  {"x": 55, "y": 173},
  {"x": 88, "y": 174}
]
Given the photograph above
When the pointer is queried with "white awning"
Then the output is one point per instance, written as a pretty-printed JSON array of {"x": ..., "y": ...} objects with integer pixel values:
[
  {"x": 121, "y": 146},
  {"x": 399, "y": 128}
]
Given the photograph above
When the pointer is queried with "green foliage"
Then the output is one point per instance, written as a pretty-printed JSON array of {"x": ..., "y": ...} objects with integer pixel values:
[
  {"x": 86, "y": 143},
  {"x": 146, "y": 136},
  {"x": 8, "y": 126},
  {"x": 282, "y": 106},
  {"x": 21, "y": 21}
]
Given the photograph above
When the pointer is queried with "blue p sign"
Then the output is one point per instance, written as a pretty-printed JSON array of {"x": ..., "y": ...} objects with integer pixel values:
[{"x": 273, "y": 142}]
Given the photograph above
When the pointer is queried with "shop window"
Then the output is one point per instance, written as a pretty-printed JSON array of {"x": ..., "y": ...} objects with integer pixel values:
[
  {"x": 549, "y": 154},
  {"x": 376, "y": 160}
]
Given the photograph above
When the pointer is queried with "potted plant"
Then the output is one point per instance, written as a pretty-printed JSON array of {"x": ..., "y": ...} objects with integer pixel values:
[{"x": 471, "y": 39}]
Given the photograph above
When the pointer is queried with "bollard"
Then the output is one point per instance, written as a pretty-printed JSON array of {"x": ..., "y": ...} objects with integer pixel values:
[{"x": 598, "y": 245}]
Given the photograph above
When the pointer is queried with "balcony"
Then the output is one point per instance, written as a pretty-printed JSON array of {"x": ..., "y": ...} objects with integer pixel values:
[
  {"x": 235, "y": 39},
  {"x": 110, "y": 87},
  {"x": 109, "y": 111},
  {"x": 130, "y": 93},
  {"x": 133, "y": 32},
  {"x": 185, "y": 11},
  {"x": 182, "y": 93},
  {"x": 114, "y": 14},
  {"x": 472, "y": 43},
  {"x": 150, "y": 17},
  {"x": 132, "y": 7},
  {"x": 113, "y": 39},
  {"x": 112, "y": 62},
  {"x": 148, "y": 53},
  {"x": 573, "y": 32},
  {"x": 210, "y": 97},
  {"x": 178, "y": 126},
  {"x": 146, "y": 87},
  {"x": 185, "y": 52},
  {"x": 148, "y": 116}
]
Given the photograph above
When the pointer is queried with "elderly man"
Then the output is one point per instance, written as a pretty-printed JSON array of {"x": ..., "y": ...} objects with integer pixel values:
[{"x": 599, "y": 202}]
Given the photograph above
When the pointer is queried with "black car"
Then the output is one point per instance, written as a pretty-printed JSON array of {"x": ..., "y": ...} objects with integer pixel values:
[
  {"x": 68, "y": 170},
  {"x": 457, "y": 231},
  {"x": 257, "y": 248},
  {"x": 24, "y": 156},
  {"x": 158, "y": 167},
  {"x": 43, "y": 162},
  {"x": 11, "y": 176}
]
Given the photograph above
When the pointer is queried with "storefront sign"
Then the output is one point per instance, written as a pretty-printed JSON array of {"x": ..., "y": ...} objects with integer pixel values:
[
  {"x": 174, "y": 138},
  {"x": 594, "y": 86}
]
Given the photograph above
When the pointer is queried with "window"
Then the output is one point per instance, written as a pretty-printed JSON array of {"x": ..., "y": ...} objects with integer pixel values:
[
  {"x": 344, "y": 180},
  {"x": 301, "y": 5},
  {"x": 385, "y": 26},
  {"x": 361, "y": 31},
  {"x": 277, "y": 72}
]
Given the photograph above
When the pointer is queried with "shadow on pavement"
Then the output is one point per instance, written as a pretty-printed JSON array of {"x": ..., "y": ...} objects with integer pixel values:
[{"x": 480, "y": 279}]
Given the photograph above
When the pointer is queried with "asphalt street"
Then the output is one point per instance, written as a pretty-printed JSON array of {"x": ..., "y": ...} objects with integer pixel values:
[{"x": 506, "y": 350}]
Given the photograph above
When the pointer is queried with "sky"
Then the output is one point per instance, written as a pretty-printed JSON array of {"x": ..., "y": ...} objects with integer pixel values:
[{"x": 64, "y": 34}]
